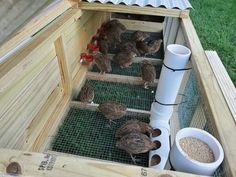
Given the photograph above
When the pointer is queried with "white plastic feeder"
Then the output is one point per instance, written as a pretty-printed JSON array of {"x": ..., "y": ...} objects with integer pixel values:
[
  {"x": 175, "y": 61},
  {"x": 180, "y": 160}
]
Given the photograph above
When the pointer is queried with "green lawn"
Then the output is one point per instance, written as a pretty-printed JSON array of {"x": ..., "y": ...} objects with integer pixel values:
[{"x": 215, "y": 22}]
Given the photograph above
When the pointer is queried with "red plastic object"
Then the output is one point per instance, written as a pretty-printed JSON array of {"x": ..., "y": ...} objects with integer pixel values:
[
  {"x": 86, "y": 57},
  {"x": 93, "y": 47}
]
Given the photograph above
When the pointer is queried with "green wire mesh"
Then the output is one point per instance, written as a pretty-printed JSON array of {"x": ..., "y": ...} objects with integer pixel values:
[
  {"x": 88, "y": 133},
  {"x": 133, "y": 96}
]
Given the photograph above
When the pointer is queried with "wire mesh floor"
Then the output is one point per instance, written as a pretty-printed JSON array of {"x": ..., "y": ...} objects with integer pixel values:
[
  {"x": 87, "y": 133},
  {"x": 133, "y": 96}
]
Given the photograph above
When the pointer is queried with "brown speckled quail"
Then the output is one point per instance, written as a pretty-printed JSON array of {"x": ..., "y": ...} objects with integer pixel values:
[
  {"x": 135, "y": 143},
  {"x": 129, "y": 46},
  {"x": 112, "y": 110},
  {"x": 133, "y": 126},
  {"x": 112, "y": 30},
  {"x": 86, "y": 94},
  {"x": 103, "y": 63},
  {"x": 148, "y": 73},
  {"x": 140, "y": 36},
  {"x": 124, "y": 59},
  {"x": 148, "y": 48}
]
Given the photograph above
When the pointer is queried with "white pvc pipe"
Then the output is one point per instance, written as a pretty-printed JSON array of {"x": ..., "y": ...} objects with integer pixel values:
[{"x": 176, "y": 58}]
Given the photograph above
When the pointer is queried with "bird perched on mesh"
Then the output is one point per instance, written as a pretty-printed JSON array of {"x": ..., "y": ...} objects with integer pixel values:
[
  {"x": 133, "y": 126},
  {"x": 103, "y": 63},
  {"x": 139, "y": 36},
  {"x": 86, "y": 94},
  {"x": 112, "y": 110},
  {"x": 148, "y": 73},
  {"x": 148, "y": 48},
  {"x": 135, "y": 143},
  {"x": 124, "y": 59}
]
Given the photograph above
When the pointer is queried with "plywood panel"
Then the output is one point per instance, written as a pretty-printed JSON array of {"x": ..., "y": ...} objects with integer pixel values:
[{"x": 17, "y": 118}]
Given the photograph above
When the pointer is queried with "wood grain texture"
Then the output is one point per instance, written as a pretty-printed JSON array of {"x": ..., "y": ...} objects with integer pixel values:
[
  {"x": 17, "y": 118},
  {"x": 118, "y": 78},
  {"x": 37, "y": 164},
  {"x": 215, "y": 105},
  {"x": 37, "y": 23},
  {"x": 133, "y": 9},
  {"x": 224, "y": 81},
  {"x": 146, "y": 26}
]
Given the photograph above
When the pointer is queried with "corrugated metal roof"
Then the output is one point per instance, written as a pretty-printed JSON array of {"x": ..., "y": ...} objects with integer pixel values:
[{"x": 169, "y": 4}]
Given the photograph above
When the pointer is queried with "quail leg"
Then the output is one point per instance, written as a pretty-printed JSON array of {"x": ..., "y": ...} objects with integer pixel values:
[{"x": 146, "y": 85}]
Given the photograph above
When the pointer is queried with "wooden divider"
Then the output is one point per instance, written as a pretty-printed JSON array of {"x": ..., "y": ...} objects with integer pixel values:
[{"x": 46, "y": 164}]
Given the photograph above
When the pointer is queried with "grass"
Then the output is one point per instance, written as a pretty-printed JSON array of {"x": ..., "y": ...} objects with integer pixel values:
[{"x": 215, "y": 22}]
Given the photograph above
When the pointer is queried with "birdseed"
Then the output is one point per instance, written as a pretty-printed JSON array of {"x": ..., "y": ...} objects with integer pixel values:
[{"x": 197, "y": 149}]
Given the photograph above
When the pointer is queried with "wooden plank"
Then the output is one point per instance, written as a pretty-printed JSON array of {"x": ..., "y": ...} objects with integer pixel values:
[
  {"x": 134, "y": 9},
  {"x": 19, "y": 13},
  {"x": 199, "y": 118},
  {"x": 226, "y": 85},
  {"x": 12, "y": 87},
  {"x": 79, "y": 80},
  {"x": 37, "y": 23},
  {"x": 93, "y": 107},
  {"x": 38, "y": 45},
  {"x": 37, "y": 164},
  {"x": 215, "y": 105},
  {"x": 117, "y": 78},
  {"x": 154, "y": 61},
  {"x": 23, "y": 110},
  {"x": 65, "y": 72},
  {"x": 40, "y": 120},
  {"x": 43, "y": 140},
  {"x": 146, "y": 26}
]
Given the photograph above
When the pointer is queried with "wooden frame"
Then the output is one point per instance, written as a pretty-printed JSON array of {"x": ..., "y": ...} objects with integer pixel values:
[{"x": 55, "y": 52}]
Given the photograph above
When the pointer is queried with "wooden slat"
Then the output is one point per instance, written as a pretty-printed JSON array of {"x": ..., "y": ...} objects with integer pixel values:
[
  {"x": 117, "y": 78},
  {"x": 37, "y": 23},
  {"x": 215, "y": 105},
  {"x": 146, "y": 26},
  {"x": 40, "y": 120},
  {"x": 154, "y": 61},
  {"x": 93, "y": 107},
  {"x": 65, "y": 72},
  {"x": 43, "y": 140},
  {"x": 15, "y": 83},
  {"x": 173, "y": 31},
  {"x": 224, "y": 81},
  {"x": 133, "y": 9},
  {"x": 37, "y": 164},
  {"x": 22, "y": 111}
]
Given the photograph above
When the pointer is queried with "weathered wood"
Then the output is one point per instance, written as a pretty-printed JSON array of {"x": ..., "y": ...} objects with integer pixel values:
[
  {"x": 133, "y": 9},
  {"x": 224, "y": 81},
  {"x": 173, "y": 31},
  {"x": 93, "y": 107},
  {"x": 36, "y": 24},
  {"x": 37, "y": 164},
  {"x": 215, "y": 105},
  {"x": 135, "y": 25},
  {"x": 117, "y": 78}
]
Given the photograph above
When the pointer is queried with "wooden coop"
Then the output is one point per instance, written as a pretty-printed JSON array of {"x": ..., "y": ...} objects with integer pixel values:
[{"x": 46, "y": 131}]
